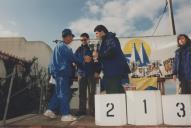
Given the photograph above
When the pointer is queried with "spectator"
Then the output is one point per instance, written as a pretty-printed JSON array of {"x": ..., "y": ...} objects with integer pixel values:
[{"x": 182, "y": 63}]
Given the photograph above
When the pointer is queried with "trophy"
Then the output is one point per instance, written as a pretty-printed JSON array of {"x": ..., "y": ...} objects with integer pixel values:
[
  {"x": 94, "y": 46},
  {"x": 91, "y": 46}
]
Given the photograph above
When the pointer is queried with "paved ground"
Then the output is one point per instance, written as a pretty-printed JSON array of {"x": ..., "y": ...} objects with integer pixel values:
[{"x": 39, "y": 121}]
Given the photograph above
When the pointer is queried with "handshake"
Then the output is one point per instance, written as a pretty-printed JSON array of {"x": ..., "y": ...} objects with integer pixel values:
[{"x": 88, "y": 59}]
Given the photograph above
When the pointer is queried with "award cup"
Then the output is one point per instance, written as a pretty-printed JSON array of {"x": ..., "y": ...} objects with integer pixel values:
[{"x": 94, "y": 48}]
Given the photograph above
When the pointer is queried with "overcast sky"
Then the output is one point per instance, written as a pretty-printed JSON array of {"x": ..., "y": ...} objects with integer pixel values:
[{"x": 45, "y": 19}]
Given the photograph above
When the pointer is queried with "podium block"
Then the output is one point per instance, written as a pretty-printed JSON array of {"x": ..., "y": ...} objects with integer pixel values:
[
  {"x": 177, "y": 109},
  {"x": 144, "y": 107},
  {"x": 110, "y": 110}
]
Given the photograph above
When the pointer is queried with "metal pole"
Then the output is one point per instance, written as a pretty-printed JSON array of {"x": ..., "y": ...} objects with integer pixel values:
[
  {"x": 171, "y": 17},
  {"x": 41, "y": 95},
  {"x": 8, "y": 97}
]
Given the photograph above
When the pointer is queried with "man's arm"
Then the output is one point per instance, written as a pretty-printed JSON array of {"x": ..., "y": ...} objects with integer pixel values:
[{"x": 174, "y": 69}]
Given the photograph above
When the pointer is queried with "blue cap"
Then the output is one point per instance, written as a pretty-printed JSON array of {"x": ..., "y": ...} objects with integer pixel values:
[{"x": 67, "y": 32}]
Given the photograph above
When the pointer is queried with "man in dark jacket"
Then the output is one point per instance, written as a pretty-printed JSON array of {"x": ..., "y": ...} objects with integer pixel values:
[
  {"x": 182, "y": 63},
  {"x": 86, "y": 77},
  {"x": 110, "y": 55}
]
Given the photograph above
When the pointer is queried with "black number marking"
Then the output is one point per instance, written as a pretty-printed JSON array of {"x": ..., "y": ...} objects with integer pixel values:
[
  {"x": 182, "y": 108},
  {"x": 110, "y": 109},
  {"x": 145, "y": 105}
]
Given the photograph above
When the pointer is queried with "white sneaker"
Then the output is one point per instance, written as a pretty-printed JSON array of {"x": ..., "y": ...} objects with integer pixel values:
[
  {"x": 50, "y": 114},
  {"x": 68, "y": 118}
]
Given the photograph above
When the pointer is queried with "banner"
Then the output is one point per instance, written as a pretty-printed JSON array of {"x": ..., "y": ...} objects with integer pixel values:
[{"x": 150, "y": 56}]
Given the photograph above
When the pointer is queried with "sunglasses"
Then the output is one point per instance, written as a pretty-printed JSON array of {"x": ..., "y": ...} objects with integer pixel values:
[{"x": 83, "y": 40}]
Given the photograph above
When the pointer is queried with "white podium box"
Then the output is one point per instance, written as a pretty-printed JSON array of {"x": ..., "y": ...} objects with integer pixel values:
[
  {"x": 144, "y": 107},
  {"x": 110, "y": 110},
  {"x": 177, "y": 109}
]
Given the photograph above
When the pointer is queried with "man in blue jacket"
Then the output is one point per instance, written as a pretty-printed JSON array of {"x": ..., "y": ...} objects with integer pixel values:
[
  {"x": 182, "y": 63},
  {"x": 86, "y": 77},
  {"x": 114, "y": 65},
  {"x": 60, "y": 68}
]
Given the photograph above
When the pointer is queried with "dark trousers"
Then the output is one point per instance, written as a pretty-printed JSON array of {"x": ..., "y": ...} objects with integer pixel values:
[
  {"x": 87, "y": 84},
  {"x": 185, "y": 86},
  {"x": 113, "y": 84}
]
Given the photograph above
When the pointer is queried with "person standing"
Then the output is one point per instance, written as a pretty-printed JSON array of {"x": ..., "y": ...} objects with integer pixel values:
[
  {"x": 60, "y": 68},
  {"x": 114, "y": 64},
  {"x": 86, "y": 77},
  {"x": 182, "y": 63}
]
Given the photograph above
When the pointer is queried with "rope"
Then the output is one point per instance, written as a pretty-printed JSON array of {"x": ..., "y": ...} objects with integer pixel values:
[
  {"x": 3, "y": 79},
  {"x": 164, "y": 10},
  {"x": 20, "y": 91}
]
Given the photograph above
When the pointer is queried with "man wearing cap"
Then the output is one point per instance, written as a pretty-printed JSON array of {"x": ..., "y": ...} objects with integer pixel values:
[{"x": 60, "y": 68}]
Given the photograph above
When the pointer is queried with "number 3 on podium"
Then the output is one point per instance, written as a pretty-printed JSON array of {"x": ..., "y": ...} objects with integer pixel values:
[{"x": 182, "y": 108}]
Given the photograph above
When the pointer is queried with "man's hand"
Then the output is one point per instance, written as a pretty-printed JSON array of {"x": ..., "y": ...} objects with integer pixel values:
[
  {"x": 174, "y": 77},
  {"x": 95, "y": 54},
  {"x": 73, "y": 64},
  {"x": 87, "y": 59},
  {"x": 96, "y": 75}
]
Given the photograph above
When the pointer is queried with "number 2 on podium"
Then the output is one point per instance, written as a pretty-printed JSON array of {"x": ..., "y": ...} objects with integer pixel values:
[{"x": 110, "y": 109}]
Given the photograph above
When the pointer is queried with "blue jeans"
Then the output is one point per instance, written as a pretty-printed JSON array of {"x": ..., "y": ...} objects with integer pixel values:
[{"x": 61, "y": 96}]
